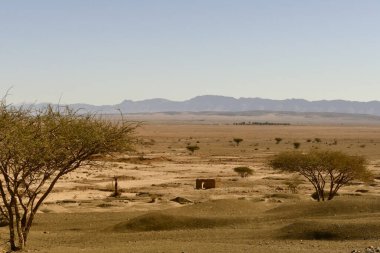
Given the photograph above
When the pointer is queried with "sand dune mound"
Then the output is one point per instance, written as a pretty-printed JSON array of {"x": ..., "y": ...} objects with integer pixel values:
[
  {"x": 221, "y": 208},
  {"x": 159, "y": 221},
  {"x": 331, "y": 230},
  {"x": 338, "y": 206},
  {"x": 343, "y": 218}
]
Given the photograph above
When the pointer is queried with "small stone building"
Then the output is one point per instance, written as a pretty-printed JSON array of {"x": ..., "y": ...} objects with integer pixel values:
[{"x": 202, "y": 184}]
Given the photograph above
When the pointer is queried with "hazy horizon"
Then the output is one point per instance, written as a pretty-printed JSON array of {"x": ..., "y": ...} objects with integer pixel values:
[
  {"x": 102, "y": 52},
  {"x": 59, "y": 101}
]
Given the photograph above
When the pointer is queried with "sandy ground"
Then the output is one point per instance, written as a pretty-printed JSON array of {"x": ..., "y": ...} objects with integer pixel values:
[{"x": 80, "y": 215}]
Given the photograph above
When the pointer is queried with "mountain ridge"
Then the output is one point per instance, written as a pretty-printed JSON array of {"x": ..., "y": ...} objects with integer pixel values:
[{"x": 216, "y": 103}]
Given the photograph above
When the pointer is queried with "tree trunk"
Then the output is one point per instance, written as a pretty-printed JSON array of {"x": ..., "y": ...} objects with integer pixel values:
[
  {"x": 331, "y": 193},
  {"x": 12, "y": 236},
  {"x": 116, "y": 192},
  {"x": 319, "y": 191},
  {"x": 21, "y": 239}
]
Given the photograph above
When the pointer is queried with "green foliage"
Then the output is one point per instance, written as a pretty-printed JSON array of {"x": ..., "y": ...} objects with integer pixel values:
[
  {"x": 192, "y": 148},
  {"x": 243, "y": 171},
  {"x": 333, "y": 169},
  {"x": 237, "y": 141},
  {"x": 38, "y": 147}
]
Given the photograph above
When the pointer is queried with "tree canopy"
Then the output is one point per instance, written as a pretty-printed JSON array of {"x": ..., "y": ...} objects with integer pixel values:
[
  {"x": 243, "y": 171},
  {"x": 237, "y": 141},
  {"x": 333, "y": 169},
  {"x": 38, "y": 147}
]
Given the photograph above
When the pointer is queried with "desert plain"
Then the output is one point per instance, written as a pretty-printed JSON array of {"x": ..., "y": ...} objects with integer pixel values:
[{"x": 258, "y": 213}]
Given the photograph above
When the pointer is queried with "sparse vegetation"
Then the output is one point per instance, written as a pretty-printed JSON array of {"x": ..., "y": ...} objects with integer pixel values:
[
  {"x": 266, "y": 123},
  {"x": 278, "y": 140},
  {"x": 243, "y": 171},
  {"x": 333, "y": 169},
  {"x": 192, "y": 148},
  {"x": 293, "y": 183},
  {"x": 237, "y": 141},
  {"x": 296, "y": 145}
]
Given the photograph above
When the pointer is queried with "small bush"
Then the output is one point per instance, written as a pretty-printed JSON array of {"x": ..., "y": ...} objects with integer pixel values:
[
  {"x": 278, "y": 140},
  {"x": 192, "y": 148},
  {"x": 237, "y": 141},
  {"x": 296, "y": 145},
  {"x": 243, "y": 171},
  {"x": 325, "y": 194}
]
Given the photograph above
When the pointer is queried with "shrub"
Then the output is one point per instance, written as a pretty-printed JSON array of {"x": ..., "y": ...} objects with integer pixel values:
[
  {"x": 192, "y": 148},
  {"x": 325, "y": 194},
  {"x": 237, "y": 141},
  {"x": 296, "y": 145},
  {"x": 278, "y": 140},
  {"x": 243, "y": 171}
]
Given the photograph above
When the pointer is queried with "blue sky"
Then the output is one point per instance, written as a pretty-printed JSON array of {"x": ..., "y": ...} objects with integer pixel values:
[{"x": 103, "y": 52}]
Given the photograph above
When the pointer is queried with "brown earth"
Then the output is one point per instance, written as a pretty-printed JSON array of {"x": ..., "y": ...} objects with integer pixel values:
[{"x": 254, "y": 214}]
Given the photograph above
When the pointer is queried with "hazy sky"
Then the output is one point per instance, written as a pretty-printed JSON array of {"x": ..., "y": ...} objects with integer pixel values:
[{"x": 103, "y": 52}]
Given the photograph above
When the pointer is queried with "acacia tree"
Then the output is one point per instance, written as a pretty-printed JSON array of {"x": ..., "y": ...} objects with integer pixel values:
[
  {"x": 237, "y": 141},
  {"x": 243, "y": 171},
  {"x": 38, "y": 147},
  {"x": 323, "y": 168}
]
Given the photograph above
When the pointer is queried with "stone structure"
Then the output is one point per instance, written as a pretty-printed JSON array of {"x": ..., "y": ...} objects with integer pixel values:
[{"x": 204, "y": 184}]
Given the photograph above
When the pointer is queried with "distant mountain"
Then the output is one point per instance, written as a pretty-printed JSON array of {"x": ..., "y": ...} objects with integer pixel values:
[{"x": 229, "y": 104}]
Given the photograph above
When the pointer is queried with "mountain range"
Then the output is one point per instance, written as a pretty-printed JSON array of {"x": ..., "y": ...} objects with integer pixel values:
[{"x": 211, "y": 103}]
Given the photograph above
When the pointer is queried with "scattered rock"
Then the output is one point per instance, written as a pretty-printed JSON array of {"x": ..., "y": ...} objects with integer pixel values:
[
  {"x": 66, "y": 201},
  {"x": 370, "y": 249},
  {"x": 362, "y": 191},
  {"x": 143, "y": 194},
  {"x": 278, "y": 188},
  {"x": 105, "y": 205},
  {"x": 181, "y": 200}
]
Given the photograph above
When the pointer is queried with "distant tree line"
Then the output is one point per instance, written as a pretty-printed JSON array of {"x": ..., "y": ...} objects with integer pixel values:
[{"x": 260, "y": 123}]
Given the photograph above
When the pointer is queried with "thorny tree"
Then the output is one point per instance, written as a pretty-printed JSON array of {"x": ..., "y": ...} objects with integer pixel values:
[
  {"x": 38, "y": 147},
  {"x": 333, "y": 169}
]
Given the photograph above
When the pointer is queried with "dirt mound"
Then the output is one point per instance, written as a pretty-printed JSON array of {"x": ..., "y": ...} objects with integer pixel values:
[
  {"x": 283, "y": 196},
  {"x": 331, "y": 230},
  {"x": 338, "y": 206},
  {"x": 159, "y": 221},
  {"x": 221, "y": 208}
]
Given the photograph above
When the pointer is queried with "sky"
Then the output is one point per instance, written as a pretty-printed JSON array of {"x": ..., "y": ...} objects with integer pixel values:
[{"x": 103, "y": 52}]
